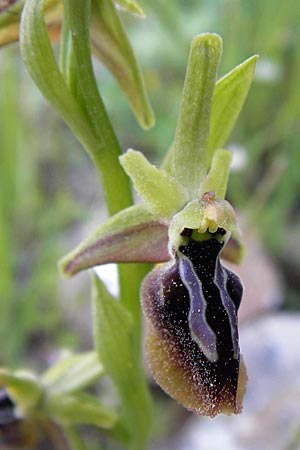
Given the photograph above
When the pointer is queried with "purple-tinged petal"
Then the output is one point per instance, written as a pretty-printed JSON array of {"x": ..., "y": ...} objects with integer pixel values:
[{"x": 133, "y": 235}]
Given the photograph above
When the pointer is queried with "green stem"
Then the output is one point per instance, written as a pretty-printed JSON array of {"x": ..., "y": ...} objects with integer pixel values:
[{"x": 115, "y": 182}]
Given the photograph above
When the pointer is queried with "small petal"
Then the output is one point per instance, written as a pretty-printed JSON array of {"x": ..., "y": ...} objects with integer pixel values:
[
  {"x": 217, "y": 177},
  {"x": 133, "y": 235},
  {"x": 163, "y": 194}
]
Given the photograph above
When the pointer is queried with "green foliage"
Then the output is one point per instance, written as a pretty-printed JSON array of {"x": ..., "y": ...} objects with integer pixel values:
[
  {"x": 270, "y": 179},
  {"x": 115, "y": 344}
]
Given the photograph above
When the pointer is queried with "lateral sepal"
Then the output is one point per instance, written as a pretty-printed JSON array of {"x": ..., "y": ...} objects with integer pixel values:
[{"x": 133, "y": 235}]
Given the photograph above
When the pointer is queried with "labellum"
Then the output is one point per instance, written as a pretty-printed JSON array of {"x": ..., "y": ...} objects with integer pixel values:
[
  {"x": 191, "y": 304},
  {"x": 14, "y": 431}
]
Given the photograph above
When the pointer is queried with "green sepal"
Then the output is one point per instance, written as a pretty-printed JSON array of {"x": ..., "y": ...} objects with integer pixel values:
[
  {"x": 72, "y": 373},
  {"x": 10, "y": 19},
  {"x": 114, "y": 340},
  {"x": 229, "y": 96},
  {"x": 163, "y": 194},
  {"x": 202, "y": 216},
  {"x": 132, "y": 235},
  {"x": 24, "y": 389},
  {"x": 188, "y": 162},
  {"x": 110, "y": 44},
  {"x": 77, "y": 409},
  {"x": 217, "y": 177}
]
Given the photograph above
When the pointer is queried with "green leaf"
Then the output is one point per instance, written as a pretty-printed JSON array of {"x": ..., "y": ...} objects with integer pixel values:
[
  {"x": 163, "y": 194},
  {"x": 229, "y": 97},
  {"x": 132, "y": 235},
  {"x": 72, "y": 373},
  {"x": 217, "y": 178},
  {"x": 190, "y": 143},
  {"x": 78, "y": 409},
  {"x": 110, "y": 44},
  {"x": 114, "y": 337}
]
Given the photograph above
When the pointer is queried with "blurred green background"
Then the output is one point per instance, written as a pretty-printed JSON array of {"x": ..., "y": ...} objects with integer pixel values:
[{"x": 49, "y": 187}]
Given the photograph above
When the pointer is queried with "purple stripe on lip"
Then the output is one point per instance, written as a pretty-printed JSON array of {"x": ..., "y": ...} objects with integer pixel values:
[
  {"x": 221, "y": 281},
  {"x": 201, "y": 332}
]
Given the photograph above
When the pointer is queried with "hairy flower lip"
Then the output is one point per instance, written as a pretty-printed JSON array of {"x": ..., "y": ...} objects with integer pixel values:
[{"x": 177, "y": 362}]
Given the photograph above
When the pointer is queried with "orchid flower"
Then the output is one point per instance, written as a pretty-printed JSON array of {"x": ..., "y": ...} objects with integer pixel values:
[{"x": 191, "y": 300}]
